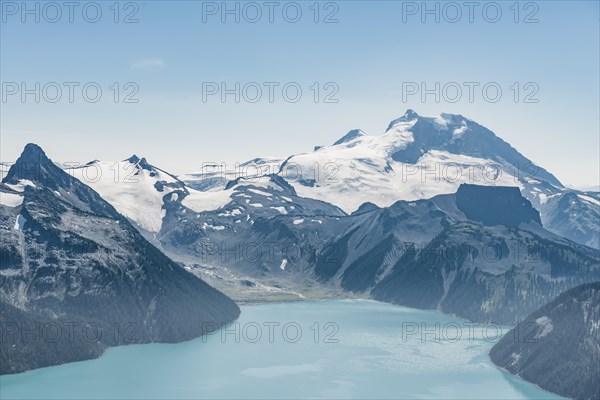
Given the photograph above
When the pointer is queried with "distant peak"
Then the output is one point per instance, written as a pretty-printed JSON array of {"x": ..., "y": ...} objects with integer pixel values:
[
  {"x": 134, "y": 159},
  {"x": 409, "y": 115},
  {"x": 366, "y": 207},
  {"x": 140, "y": 162},
  {"x": 353, "y": 134},
  {"x": 33, "y": 154},
  {"x": 33, "y": 165}
]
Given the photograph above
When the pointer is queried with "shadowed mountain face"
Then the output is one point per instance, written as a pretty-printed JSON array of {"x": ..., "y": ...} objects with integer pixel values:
[
  {"x": 447, "y": 254},
  {"x": 558, "y": 346},
  {"x": 459, "y": 135},
  {"x": 69, "y": 257},
  {"x": 495, "y": 205},
  {"x": 30, "y": 340},
  {"x": 480, "y": 253}
]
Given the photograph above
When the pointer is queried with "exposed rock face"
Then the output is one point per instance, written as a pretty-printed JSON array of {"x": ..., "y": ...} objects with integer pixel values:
[
  {"x": 495, "y": 205},
  {"x": 558, "y": 346}
]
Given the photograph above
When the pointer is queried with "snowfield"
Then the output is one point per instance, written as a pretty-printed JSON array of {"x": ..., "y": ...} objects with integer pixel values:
[
  {"x": 360, "y": 168},
  {"x": 10, "y": 199},
  {"x": 130, "y": 188},
  {"x": 206, "y": 201},
  {"x": 214, "y": 176}
]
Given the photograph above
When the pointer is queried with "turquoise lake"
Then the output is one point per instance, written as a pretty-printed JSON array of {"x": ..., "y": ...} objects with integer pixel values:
[{"x": 322, "y": 349}]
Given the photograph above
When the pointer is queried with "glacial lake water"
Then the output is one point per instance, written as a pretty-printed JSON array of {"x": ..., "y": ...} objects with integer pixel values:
[{"x": 347, "y": 349}]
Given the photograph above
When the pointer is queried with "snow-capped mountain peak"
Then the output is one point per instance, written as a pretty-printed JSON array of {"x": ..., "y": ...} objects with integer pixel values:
[
  {"x": 409, "y": 115},
  {"x": 133, "y": 186},
  {"x": 416, "y": 157},
  {"x": 32, "y": 165},
  {"x": 350, "y": 136},
  {"x": 34, "y": 169},
  {"x": 134, "y": 159}
]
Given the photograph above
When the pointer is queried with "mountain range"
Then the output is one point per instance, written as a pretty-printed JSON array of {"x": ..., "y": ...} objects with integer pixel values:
[
  {"x": 416, "y": 158},
  {"x": 436, "y": 213},
  {"x": 363, "y": 214}
]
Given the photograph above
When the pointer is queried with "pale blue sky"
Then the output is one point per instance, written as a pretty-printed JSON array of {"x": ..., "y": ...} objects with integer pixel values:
[{"x": 369, "y": 53}]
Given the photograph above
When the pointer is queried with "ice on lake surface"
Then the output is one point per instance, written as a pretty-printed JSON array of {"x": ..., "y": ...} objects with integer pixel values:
[{"x": 321, "y": 349}]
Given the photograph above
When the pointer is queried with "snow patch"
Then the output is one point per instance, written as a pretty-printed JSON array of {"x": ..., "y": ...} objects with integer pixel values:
[
  {"x": 232, "y": 213},
  {"x": 130, "y": 188},
  {"x": 19, "y": 223},
  {"x": 514, "y": 358},
  {"x": 207, "y": 201},
  {"x": 20, "y": 187},
  {"x": 441, "y": 123},
  {"x": 10, "y": 199},
  {"x": 546, "y": 324},
  {"x": 458, "y": 132},
  {"x": 260, "y": 192},
  {"x": 589, "y": 199},
  {"x": 213, "y": 227},
  {"x": 532, "y": 181}
]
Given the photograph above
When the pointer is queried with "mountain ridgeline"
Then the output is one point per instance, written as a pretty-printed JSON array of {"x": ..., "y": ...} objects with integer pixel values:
[
  {"x": 441, "y": 253},
  {"x": 480, "y": 253},
  {"x": 77, "y": 277}
]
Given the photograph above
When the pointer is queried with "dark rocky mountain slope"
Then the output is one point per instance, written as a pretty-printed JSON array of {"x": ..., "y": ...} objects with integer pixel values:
[
  {"x": 68, "y": 256},
  {"x": 558, "y": 346}
]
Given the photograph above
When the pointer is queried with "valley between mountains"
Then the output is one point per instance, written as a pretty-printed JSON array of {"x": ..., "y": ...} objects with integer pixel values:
[{"x": 437, "y": 213}]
